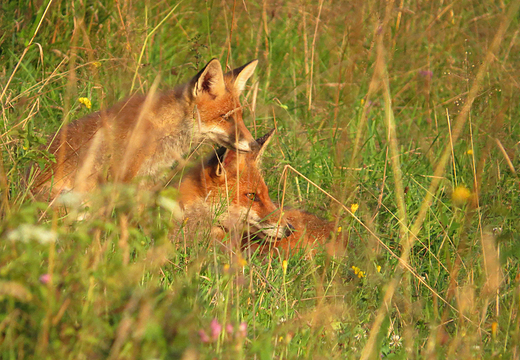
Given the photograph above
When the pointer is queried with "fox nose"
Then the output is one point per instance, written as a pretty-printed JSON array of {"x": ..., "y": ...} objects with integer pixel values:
[
  {"x": 289, "y": 230},
  {"x": 254, "y": 145}
]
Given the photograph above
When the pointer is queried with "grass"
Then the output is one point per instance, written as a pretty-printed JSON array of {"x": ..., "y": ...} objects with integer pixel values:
[{"x": 409, "y": 110}]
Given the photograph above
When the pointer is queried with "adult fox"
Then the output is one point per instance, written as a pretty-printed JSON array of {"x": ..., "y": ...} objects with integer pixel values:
[
  {"x": 144, "y": 134},
  {"x": 234, "y": 182}
]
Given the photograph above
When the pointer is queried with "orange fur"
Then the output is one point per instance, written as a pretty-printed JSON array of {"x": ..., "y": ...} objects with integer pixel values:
[
  {"x": 207, "y": 185},
  {"x": 143, "y": 135},
  {"x": 233, "y": 182},
  {"x": 310, "y": 232}
]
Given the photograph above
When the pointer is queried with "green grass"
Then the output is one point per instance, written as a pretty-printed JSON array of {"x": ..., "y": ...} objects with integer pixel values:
[{"x": 130, "y": 282}]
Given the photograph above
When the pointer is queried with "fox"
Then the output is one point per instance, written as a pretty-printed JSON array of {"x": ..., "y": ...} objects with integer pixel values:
[
  {"x": 144, "y": 134},
  {"x": 233, "y": 181},
  {"x": 237, "y": 178}
]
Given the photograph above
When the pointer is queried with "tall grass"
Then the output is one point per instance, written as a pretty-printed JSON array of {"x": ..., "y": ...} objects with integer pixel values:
[{"x": 408, "y": 110}]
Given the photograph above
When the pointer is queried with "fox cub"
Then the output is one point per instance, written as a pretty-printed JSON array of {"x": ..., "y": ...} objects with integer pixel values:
[
  {"x": 144, "y": 134},
  {"x": 231, "y": 184}
]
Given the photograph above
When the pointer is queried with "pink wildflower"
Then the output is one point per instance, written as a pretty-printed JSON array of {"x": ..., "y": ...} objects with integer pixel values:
[
  {"x": 45, "y": 278},
  {"x": 216, "y": 328},
  {"x": 242, "y": 329},
  {"x": 426, "y": 73},
  {"x": 203, "y": 336}
]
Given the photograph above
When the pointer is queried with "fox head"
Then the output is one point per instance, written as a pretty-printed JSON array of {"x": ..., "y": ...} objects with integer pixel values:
[
  {"x": 218, "y": 112},
  {"x": 234, "y": 180}
]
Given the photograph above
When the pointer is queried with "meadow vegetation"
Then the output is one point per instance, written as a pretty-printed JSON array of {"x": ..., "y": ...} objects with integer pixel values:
[{"x": 397, "y": 119}]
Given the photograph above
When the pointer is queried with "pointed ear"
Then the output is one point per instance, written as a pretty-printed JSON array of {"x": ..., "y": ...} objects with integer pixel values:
[
  {"x": 226, "y": 161},
  {"x": 242, "y": 74},
  {"x": 210, "y": 80},
  {"x": 263, "y": 142}
]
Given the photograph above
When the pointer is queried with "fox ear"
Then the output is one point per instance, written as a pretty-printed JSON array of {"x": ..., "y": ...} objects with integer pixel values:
[
  {"x": 262, "y": 142},
  {"x": 210, "y": 80},
  {"x": 226, "y": 161},
  {"x": 242, "y": 74}
]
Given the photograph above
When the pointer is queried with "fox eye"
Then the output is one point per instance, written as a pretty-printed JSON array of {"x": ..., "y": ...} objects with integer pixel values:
[{"x": 251, "y": 196}]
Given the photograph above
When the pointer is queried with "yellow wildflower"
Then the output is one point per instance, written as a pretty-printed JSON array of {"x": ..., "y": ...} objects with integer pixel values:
[
  {"x": 339, "y": 229},
  {"x": 96, "y": 64},
  {"x": 241, "y": 261},
  {"x": 460, "y": 195},
  {"x": 494, "y": 328},
  {"x": 284, "y": 266},
  {"x": 360, "y": 273},
  {"x": 469, "y": 152},
  {"x": 85, "y": 101},
  {"x": 378, "y": 268},
  {"x": 353, "y": 208}
]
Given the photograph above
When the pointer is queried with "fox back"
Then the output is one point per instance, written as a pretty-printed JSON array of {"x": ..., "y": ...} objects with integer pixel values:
[
  {"x": 231, "y": 183},
  {"x": 144, "y": 134}
]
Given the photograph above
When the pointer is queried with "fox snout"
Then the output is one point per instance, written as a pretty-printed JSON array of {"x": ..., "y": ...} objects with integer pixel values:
[
  {"x": 239, "y": 140},
  {"x": 243, "y": 144},
  {"x": 271, "y": 228},
  {"x": 284, "y": 231},
  {"x": 232, "y": 136}
]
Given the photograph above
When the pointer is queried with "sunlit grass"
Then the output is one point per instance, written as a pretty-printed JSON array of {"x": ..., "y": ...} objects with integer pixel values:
[{"x": 371, "y": 102}]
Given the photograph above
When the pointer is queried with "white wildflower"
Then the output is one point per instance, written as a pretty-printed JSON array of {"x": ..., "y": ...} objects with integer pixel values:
[{"x": 28, "y": 232}]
